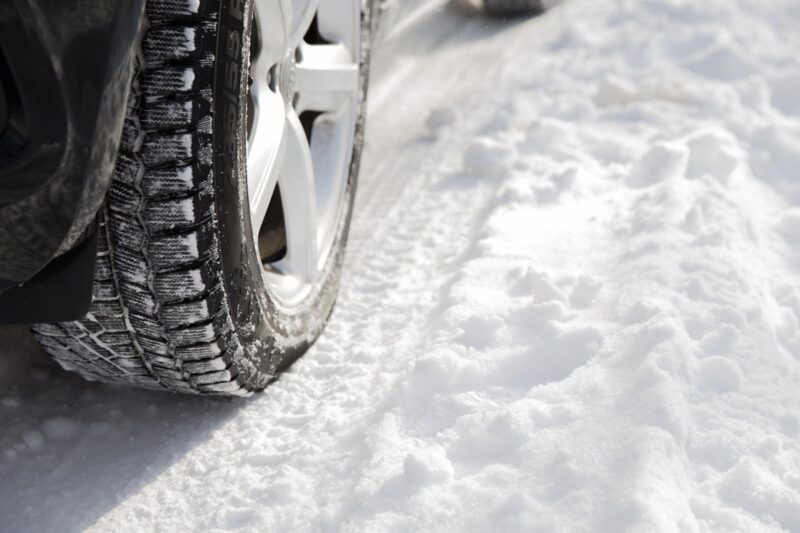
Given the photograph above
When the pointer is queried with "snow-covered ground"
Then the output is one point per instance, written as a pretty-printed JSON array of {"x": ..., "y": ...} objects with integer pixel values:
[{"x": 571, "y": 304}]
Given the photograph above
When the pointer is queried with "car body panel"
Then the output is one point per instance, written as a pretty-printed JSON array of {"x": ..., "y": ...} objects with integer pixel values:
[{"x": 66, "y": 73}]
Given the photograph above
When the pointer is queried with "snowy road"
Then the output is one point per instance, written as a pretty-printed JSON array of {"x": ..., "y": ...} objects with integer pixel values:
[{"x": 571, "y": 303}]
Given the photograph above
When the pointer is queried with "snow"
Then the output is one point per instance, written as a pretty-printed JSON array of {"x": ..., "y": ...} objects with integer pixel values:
[
  {"x": 188, "y": 78},
  {"x": 190, "y": 34},
  {"x": 570, "y": 303}
]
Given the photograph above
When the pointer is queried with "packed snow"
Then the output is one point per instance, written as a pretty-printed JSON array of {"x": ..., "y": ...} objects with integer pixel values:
[{"x": 571, "y": 303}]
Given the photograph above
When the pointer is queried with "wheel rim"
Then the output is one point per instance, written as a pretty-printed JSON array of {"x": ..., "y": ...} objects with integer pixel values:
[{"x": 302, "y": 113}]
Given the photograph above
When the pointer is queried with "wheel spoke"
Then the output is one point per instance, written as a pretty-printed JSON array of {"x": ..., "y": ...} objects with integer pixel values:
[
  {"x": 265, "y": 152},
  {"x": 304, "y": 11},
  {"x": 291, "y": 76},
  {"x": 273, "y": 18},
  {"x": 326, "y": 76},
  {"x": 339, "y": 21},
  {"x": 296, "y": 181}
]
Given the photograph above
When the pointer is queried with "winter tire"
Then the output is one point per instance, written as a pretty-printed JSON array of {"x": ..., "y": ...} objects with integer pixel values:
[
  {"x": 223, "y": 234},
  {"x": 506, "y": 8}
]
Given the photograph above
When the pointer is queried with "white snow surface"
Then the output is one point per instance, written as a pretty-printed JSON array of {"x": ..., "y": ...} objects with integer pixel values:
[{"x": 571, "y": 303}]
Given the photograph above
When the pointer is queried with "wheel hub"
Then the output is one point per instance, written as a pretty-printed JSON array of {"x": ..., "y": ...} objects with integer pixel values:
[{"x": 283, "y": 78}]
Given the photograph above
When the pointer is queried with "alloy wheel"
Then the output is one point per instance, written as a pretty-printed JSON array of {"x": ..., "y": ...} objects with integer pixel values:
[{"x": 302, "y": 113}]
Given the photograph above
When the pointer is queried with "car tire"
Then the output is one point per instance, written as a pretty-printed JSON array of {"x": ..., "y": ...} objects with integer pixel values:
[
  {"x": 512, "y": 8},
  {"x": 182, "y": 298}
]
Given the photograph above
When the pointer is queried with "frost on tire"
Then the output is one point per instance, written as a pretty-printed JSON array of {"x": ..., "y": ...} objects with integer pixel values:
[{"x": 162, "y": 314}]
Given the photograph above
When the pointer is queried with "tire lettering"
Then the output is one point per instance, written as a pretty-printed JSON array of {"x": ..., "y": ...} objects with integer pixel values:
[
  {"x": 230, "y": 117},
  {"x": 236, "y": 9},
  {"x": 232, "y": 76},
  {"x": 234, "y": 43},
  {"x": 230, "y": 94}
]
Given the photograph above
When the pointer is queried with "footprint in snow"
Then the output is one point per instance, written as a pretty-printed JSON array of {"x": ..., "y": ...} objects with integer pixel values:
[
  {"x": 640, "y": 312},
  {"x": 664, "y": 160},
  {"x": 531, "y": 282},
  {"x": 714, "y": 153},
  {"x": 789, "y": 229},
  {"x": 487, "y": 157},
  {"x": 788, "y": 331},
  {"x": 422, "y": 467},
  {"x": 721, "y": 340},
  {"x": 547, "y": 136},
  {"x": 784, "y": 90},
  {"x": 560, "y": 350},
  {"x": 719, "y": 375},
  {"x": 481, "y": 330},
  {"x": 613, "y": 90},
  {"x": 584, "y": 292},
  {"x": 724, "y": 62},
  {"x": 556, "y": 185},
  {"x": 438, "y": 122},
  {"x": 752, "y": 486}
]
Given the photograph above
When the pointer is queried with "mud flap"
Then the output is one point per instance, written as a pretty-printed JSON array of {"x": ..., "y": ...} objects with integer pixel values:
[{"x": 62, "y": 291}]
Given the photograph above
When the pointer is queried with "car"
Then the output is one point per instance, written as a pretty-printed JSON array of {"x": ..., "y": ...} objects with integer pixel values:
[
  {"x": 177, "y": 180},
  {"x": 516, "y": 8}
]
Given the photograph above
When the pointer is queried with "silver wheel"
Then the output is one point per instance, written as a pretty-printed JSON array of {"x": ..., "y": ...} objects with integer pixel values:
[{"x": 302, "y": 115}]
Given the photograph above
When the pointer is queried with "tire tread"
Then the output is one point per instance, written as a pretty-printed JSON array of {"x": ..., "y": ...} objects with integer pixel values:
[{"x": 159, "y": 317}]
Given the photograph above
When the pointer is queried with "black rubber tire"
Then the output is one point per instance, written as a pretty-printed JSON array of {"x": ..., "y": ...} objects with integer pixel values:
[
  {"x": 179, "y": 302},
  {"x": 515, "y": 8}
]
